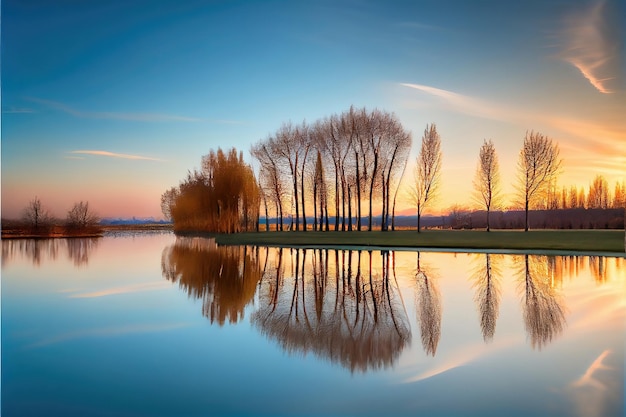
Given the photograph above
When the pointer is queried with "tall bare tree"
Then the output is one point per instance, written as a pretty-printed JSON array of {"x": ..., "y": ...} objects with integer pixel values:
[
  {"x": 270, "y": 177},
  {"x": 538, "y": 166},
  {"x": 396, "y": 148},
  {"x": 427, "y": 171},
  {"x": 487, "y": 178}
]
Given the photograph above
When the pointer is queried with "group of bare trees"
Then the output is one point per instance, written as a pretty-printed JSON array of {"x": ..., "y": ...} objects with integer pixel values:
[
  {"x": 37, "y": 219},
  {"x": 338, "y": 172},
  {"x": 222, "y": 197},
  {"x": 597, "y": 196},
  {"x": 538, "y": 167},
  {"x": 333, "y": 167}
]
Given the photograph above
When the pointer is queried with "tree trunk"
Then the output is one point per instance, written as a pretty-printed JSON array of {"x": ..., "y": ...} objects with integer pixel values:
[{"x": 526, "y": 216}]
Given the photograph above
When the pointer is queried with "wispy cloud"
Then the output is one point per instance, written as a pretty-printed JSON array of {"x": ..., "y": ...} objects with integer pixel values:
[
  {"x": 17, "y": 110},
  {"x": 138, "y": 117},
  {"x": 586, "y": 138},
  {"x": 110, "y": 155},
  {"x": 469, "y": 105},
  {"x": 591, "y": 43}
]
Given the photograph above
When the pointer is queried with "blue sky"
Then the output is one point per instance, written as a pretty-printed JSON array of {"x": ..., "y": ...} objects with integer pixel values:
[{"x": 114, "y": 101}]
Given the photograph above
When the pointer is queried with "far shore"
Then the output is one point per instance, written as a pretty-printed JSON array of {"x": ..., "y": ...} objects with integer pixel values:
[
  {"x": 59, "y": 232},
  {"x": 535, "y": 241}
]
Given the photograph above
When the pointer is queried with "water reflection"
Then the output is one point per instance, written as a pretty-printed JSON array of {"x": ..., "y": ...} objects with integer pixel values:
[
  {"x": 347, "y": 306},
  {"x": 335, "y": 307},
  {"x": 38, "y": 251},
  {"x": 225, "y": 278},
  {"x": 486, "y": 283},
  {"x": 428, "y": 302},
  {"x": 544, "y": 317}
]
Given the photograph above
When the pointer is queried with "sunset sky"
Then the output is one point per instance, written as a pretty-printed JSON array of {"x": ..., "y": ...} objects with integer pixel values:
[{"x": 113, "y": 101}]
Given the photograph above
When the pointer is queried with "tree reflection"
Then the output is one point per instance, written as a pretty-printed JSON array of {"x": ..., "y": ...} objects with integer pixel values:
[
  {"x": 335, "y": 307},
  {"x": 225, "y": 278},
  {"x": 428, "y": 308},
  {"x": 39, "y": 250},
  {"x": 544, "y": 317},
  {"x": 79, "y": 249},
  {"x": 486, "y": 283}
]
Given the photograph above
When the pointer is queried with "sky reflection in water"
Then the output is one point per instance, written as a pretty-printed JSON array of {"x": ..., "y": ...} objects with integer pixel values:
[{"x": 154, "y": 325}]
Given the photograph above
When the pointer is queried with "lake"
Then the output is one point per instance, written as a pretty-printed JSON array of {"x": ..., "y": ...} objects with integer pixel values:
[{"x": 148, "y": 324}]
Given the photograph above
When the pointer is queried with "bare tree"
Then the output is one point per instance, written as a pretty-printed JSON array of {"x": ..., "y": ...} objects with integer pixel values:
[
  {"x": 80, "y": 216},
  {"x": 36, "y": 216},
  {"x": 538, "y": 165},
  {"x": 598, "y": 196},
  {"x": 487, "y": 178},
  {"x": 427, "y": 171},
  {"x": 397, "y": 145},
  {"x": 270, "y": 177}
]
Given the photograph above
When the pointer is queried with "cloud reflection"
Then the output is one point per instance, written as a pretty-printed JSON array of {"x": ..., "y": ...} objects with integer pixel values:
[
  {"x": 146, "y": 286},
  {"x": 597, "y": 392},
  {"x": 108, "y": 332}
]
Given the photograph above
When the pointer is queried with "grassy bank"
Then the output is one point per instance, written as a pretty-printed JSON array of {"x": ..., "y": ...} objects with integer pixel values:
[{"x": 551, "y": 240}]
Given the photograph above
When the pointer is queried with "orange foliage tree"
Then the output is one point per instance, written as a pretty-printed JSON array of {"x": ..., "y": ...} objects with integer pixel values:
[{"x": 223, "y": 197}]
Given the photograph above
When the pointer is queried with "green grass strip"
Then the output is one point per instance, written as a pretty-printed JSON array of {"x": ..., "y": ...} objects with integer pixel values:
[{"x": 535, "y": 240}]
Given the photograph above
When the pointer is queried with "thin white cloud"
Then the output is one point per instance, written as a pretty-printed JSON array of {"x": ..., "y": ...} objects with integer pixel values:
[
  {"x": 113, "y": 155},
  {"x": 592, "y": 45},
  {"x": 17, "y": 110},
  {"x": 604, "y": 138},
  {"x": 469, "y": 105},
  {"x": 138, "y": 117}
]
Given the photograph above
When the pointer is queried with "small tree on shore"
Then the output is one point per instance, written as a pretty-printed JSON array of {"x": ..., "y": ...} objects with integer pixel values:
[
  {"x": 81, "y": 217},
  {"x": 427, "y": 171},
  {"x": 487, "y": 179},
  {"x": 36, "y": 216}
]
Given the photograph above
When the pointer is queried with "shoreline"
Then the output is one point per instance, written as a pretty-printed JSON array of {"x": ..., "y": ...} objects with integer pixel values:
[
  {"x": 19, "y": 233},
  {"x": 594, "y": 242}
]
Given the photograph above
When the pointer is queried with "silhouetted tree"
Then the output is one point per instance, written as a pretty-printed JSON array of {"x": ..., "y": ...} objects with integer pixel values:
[
  {"x": 598, "y": 196},
  {"x": 487, "y": 178},
  {"x": 538, "y": 165},
  {"x": 36, "y": 216},
  {"x": 427, "y": 171},
  {"x": 81, "y": 217}
]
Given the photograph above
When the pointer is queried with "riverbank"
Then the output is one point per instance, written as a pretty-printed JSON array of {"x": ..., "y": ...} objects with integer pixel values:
[
  {"x": 55, "y": 232},
  {"x": 588, "y": 241}
]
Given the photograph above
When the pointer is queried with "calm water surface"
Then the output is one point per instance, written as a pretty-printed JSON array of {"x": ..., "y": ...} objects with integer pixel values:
[{"x": 151, "y": 325}]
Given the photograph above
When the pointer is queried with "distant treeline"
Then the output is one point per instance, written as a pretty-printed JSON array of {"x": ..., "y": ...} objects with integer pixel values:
[{"x": 539, "y": 219}]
